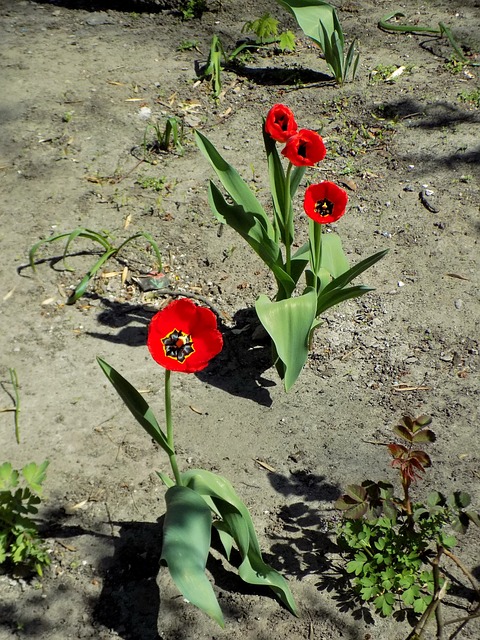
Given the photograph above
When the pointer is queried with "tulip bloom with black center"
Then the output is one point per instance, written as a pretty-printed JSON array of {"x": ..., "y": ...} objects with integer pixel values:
[
  {"x": 305, "y": 148},
  {"x": 184, "y": 336},
  {"x": 325, "y": 202},
  {"x": 280, "y": 123}
]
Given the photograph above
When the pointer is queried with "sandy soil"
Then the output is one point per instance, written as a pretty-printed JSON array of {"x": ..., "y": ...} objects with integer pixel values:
[{"x": 80, "y": 85}]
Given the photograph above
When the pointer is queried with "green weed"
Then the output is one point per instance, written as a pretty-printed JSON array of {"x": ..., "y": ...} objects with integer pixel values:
[{"x": 20, "y": 493}]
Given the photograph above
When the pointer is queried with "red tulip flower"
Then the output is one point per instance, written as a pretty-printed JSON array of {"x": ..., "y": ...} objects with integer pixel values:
[
  {"x": 184, "y": 336},
  {"x": 280, "y": 123},
  {"x": 325, "y": 202},
  {"x": 305, "y": 148}
]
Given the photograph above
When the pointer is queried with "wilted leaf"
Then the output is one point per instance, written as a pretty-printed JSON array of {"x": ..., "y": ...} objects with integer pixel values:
[{"x": 397, "y": 450}]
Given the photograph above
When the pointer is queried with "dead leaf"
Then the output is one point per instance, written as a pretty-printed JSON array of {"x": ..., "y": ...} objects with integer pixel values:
[
  {"x": 396, "y": 74},
  {"x": 458, "y": 276},
  {"x": 406, "y": 387},
  {"x": 9, "y": 294},
  {"x": 195, "y": 410},
  {"x": 350, "y": 184},
  {"x": 265, "y": 465}
]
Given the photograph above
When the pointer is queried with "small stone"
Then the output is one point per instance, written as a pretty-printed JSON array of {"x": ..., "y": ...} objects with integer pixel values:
[
  {"x": 458, "y": 304},
  {"x": 400, "y": 284}
]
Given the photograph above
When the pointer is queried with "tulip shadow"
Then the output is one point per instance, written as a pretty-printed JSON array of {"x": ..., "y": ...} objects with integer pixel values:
[
  {"x": 245, "y": 357},
  {"x": 129, "y": 601},
  {"x": 269, "y": 76},
  {"x": 305, "y": 544}
]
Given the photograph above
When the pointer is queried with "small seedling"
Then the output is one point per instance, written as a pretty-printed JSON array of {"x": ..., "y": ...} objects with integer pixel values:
[
  {"x": 188, "y": 45},
  {"x": 149, "y": 182},
  {"x": 471, "y": 97},
  {"x": 20, "y": 493},
  {"x": 109, "y": 251},
  {"x": 191, "y": 9},
  {"x": 213, "y": 68},
  {"x": 454, "y": 65},
  {"x": 166, "y": 137},
  {"x": 394, "y": 545},
  {"x": 266, "y": 31}
]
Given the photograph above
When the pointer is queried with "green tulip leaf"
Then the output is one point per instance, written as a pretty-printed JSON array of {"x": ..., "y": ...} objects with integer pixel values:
[
  {"x": 310, "y": 14},
  {"x": 332, "y": 298},
  {"x": 252, "y": 231},
  {"x": 345, "y": 276},
  {"x": 289, "y": 322},
  {"x": 186, "y": 545},
  {"x": 137, "y": 405},
  {"x": 333, "y": 258},
  {"x": 236, "y": 526},
  {"x": 236, "y": 187}
]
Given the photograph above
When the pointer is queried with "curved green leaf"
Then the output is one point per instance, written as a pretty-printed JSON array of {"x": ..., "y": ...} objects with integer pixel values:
[
  {"x": 332, "y": 298},
  {"x": 236, "y": 187},
  {"x": 137, "y": 405},
  {"x": 289, "y": 322},
  {"x": 236, "y": 525},
  {"x": 253, "y": 232},
  {"x": 345, "y": 276},
  {"x": 186, "y": 545},
  {"x": 309, "y": 14}
]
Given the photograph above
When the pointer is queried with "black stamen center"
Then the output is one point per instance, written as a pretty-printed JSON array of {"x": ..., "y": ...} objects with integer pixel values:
[
  {"x": 283, "y": 122},
  {"x": 302, "y": 150},
  {"x": 178, "y": 345},
  {"x": 324, "y": 208}
]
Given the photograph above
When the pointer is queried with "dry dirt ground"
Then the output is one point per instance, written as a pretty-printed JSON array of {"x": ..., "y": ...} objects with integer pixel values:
[{"x": 81, "y": 82}]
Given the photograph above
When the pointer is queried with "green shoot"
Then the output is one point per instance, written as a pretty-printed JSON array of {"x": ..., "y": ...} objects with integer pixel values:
[
  {"x": 170, "y": 135},
  {"x": 109, "y": 251}
]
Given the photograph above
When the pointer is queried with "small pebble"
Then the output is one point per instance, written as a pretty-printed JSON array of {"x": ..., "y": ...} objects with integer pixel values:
[
  {"x": 400, "y": 284},
  {"x": 458, "y": 304}
]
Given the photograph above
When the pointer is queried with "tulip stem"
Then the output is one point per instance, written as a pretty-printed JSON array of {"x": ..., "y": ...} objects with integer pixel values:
[
  {"x": 288, "y": 220},
  {"x": 169, "y": 423},
  {"x": 315, "y": 237}
]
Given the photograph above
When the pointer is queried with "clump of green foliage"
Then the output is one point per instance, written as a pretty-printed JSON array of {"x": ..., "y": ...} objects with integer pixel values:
[
  {"x": 191, "y": 9},
  {"x": 319, "y": 21},
  {"x": 394, "y": 545},
  {"x": 20, "y": 493},
  {"x": 471, "y": 97},
  {"x": 150, "y": 182},
  {"x": 265, "y": 29}
]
